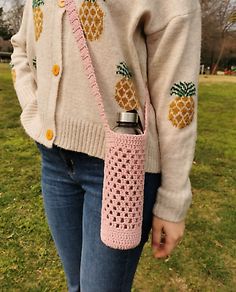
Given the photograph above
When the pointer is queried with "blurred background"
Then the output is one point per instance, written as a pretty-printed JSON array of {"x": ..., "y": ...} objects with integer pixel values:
[
  {"x": 219, "y": 33},
  {"x": 205, "y": 260}
]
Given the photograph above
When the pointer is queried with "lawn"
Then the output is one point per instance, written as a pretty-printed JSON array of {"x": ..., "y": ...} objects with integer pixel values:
[{"x": 206, "y": 258}]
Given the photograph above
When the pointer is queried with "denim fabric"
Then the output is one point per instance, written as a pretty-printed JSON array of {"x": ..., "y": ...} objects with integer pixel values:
[{"x": 72, "y": 193}]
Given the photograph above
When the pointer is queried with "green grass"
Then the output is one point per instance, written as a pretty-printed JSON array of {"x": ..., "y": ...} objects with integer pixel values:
[{"x": 204, "y": 261}]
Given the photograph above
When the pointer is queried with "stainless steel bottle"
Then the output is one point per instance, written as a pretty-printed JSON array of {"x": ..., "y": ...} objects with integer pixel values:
[{"x": 128, "y": 123}]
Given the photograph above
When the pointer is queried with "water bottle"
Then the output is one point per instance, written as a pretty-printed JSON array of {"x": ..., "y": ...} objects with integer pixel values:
[{"x": 128, "y": 123}]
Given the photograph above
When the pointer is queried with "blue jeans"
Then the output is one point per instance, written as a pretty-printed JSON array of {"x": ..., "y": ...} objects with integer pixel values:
[{"x": 72, "y": 193}]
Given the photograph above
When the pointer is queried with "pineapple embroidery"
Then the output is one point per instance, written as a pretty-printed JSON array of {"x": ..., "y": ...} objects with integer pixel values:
[
  {"x": 181, "y": 109},
  {"x": 125, "y": 90},
  {"x": 38, "y": 17},
  {"x": 91, "y": 17},
  {"x": 13, "y": 72}
]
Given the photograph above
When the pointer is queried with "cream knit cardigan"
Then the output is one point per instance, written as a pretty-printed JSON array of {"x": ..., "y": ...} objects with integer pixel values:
[{"x": 131, "y": 43}]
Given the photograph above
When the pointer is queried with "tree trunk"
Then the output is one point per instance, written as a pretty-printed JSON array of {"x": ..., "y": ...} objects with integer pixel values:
[{"x": 220, "y": 56}]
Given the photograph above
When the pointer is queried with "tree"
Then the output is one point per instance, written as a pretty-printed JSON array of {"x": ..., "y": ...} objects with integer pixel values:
[
  {"x": 14, "y": 16},
  {"x": 210, "y": 38},
  {"x": 4, "y": 33},
  {"x": 226, "y": 19},
  {"x": 10, "y": 20},
  {"x": 218, "y": 19}
]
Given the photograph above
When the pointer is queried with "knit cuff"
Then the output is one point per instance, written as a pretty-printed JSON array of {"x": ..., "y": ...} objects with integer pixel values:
[
  {"x": 172, "y": 206},
  {"x": 25, "y": 95}
]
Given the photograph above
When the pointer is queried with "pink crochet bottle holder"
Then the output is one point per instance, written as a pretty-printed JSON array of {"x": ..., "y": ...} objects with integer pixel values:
[
  {"x": 122, "y": 205},
  {"x": 123, "y": 184}
]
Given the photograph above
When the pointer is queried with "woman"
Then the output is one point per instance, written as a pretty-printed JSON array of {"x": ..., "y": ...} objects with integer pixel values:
[{"x": 132, "y": 43}]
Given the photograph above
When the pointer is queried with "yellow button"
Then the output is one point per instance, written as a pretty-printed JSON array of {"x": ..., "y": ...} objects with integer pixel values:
[
  {"x": 61, "y": 3},
  {"x": 49, "y": 134},
  {"x": 55, "y": 69}
]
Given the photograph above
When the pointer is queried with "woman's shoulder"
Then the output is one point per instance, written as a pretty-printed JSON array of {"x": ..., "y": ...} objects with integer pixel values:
[{"x": 172, "y": 7}]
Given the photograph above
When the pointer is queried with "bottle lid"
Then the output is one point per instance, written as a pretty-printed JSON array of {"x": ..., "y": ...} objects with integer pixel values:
[{"x": 128, "y": 117}]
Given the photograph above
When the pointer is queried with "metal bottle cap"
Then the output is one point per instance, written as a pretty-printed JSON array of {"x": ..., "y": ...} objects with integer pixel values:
[{"x": 128, "y": 117}]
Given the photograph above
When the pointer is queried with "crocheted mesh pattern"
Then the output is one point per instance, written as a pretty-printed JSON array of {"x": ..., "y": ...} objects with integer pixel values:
[
  {"x": 123, "y": 185},
  {"x": 122, "y": 206}
]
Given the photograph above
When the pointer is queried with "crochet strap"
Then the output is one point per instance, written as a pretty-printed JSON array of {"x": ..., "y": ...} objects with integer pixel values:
[{"x": 71, "y": 9}]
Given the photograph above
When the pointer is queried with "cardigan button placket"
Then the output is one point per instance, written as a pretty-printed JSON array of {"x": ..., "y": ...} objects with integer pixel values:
[{"x": 50, "y": 130}]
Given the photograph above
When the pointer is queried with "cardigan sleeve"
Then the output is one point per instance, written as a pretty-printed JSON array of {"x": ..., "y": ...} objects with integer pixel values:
[
  {"x": 173, "y": 68},
  {"x": 24, "y": 82}
]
